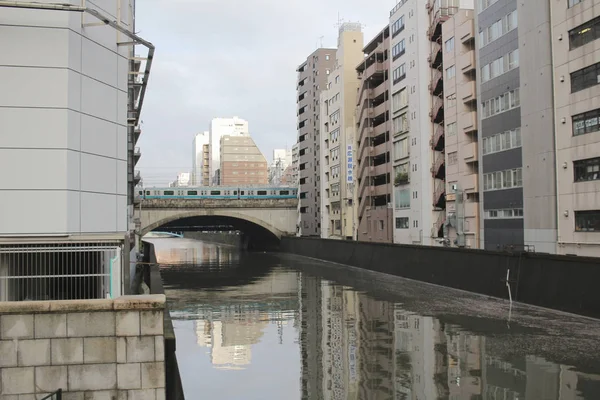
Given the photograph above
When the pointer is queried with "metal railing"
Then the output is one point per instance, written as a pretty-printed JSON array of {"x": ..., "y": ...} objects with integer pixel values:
[
  {"x": 54, "y": 396},
  {"x": 60, "y": 271}
]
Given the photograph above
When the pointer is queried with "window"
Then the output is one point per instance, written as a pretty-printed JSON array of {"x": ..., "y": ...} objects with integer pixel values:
[
  {"x": 506, "y": 140},
  {"x": 399, "y": 100},
  {"x": 169, "y": 192},
  {"x": 451, "y": 72},
  {"x": 449, "y": 45},
  {"x": 401, "y": 222},
  {"x": 192, "y": 193},
  {"x": 587, "y": 170},
  {"x": 586, "y": 221},
  {"x": 399, "y": 49},
  {"x": 398, "y": 26},
  {"x": 585, "y": 78},
  {"x": 452, "y": 158},
  {"x": 502, "y": 103},
  {"x": 586, "y": 122},
  {"x": 335, "y": 153},
  {"x": 483, "y": 4},
  {"x": 334, "y": 118},
  {"x": 400, "y": 124},
  {"x": 573, "y": 2},
  {"x": 511, "y": 178},
  {"x": 401, "y": 198},
  {"x": 401, "y": 149},
  {"x": 335, "y": 171},
  {"x": 399, "y": 73},
  {"x": 451, "y": 129},
  {"x": 500, "y": 66},
  {"x": 451, "y": 100},
  {"x": 504, "y": 213},
  {"x": 327, "y": 57},
  {"x": 498, "y": 28}
]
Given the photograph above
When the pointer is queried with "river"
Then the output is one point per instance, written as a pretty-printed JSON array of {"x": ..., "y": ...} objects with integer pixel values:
[{"x": 278, "y": 326}]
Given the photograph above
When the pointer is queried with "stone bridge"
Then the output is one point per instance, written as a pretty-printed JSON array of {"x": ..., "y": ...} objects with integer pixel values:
[{"x": 262, "y": 221}]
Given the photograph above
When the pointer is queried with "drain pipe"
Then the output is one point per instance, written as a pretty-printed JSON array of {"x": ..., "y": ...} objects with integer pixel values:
[{"x": 104, "y": 19}]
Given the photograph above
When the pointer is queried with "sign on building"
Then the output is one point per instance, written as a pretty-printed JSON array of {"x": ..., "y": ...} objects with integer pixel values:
[{"x": 349, "y": 161}]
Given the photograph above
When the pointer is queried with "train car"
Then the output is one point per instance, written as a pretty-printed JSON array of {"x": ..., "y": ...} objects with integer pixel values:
[{"x": 217, "y": 192}]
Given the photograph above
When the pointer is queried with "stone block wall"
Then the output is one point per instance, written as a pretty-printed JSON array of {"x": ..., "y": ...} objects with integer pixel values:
[{"x": 91, "y": 349}]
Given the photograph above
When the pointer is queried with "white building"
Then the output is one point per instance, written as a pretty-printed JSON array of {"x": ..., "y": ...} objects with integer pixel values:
[
  {"x": 183, "y": 180},
  {"x": 65, "y": 122},
  {"x": 220, "y": 127},
  {"x": 200, "y": 140},
  {"x": 282, "y": 158}
]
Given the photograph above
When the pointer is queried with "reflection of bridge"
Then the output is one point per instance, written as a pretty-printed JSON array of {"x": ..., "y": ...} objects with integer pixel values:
[{"x": 263, "y": 221}]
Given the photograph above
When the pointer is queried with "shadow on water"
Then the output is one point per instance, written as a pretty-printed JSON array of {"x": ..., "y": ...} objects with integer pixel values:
[{"x": 275, "y": 326}]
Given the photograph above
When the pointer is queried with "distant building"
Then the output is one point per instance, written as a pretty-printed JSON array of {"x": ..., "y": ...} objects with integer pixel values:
[
  {"x": 241, "y": 162},
  {"x": 199, "y": 162},
  {"x": 220, "y": 127},
  {"x": 183, "y": 180},
  {"x": 295, "y": 163},
  {"x": 282, "y": 159}
]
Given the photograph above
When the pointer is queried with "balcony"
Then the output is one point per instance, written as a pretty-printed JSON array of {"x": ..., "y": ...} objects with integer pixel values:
[
  {"x": 468, "y": 92},
  {"x": 438, "y": 139},
  {"x": 466, "y": 32},
  {"x": 471, "y": 152},
  {"x": 439, "y": 194},
  {"x": 435, "y": 57},
  {"x": 364, "y": 94},
  {"x": 137, "y": 131},
  {"x": 380, "y": 169},
  {"x": 470, "y": 183},
  {"x": 436, "y": 86},
  {"x": 379, "y": 90},
  {"x": 137, "y": 177},
  {"x": 380, "y": 109},
  {"x": 373, "y": 69},
  {"x": 468, "y": 121},
  {"x": 380, "y": 149},
  {"x": 402, "y": 178},
  {"x": 437, "y": 110},
  {"x": 136, "y": 154},
  {"x": 438, "y": 170},
  {"x": 466, "y": 62}
]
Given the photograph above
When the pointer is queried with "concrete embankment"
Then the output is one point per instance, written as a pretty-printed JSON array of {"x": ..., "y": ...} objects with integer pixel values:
[
  {"x": 566, "y": 283},
  {"x": 215, "y": 237}
]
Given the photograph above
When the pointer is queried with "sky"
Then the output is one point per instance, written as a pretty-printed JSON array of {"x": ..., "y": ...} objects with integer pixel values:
[{"x": 224, "y": 58}]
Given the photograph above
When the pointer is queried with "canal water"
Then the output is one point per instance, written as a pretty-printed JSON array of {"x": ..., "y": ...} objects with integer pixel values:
[{"x": 276, "y": 326}]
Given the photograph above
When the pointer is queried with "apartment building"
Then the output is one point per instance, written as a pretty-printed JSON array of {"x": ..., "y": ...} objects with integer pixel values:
[
  {"x": 459, "y": 133},
  {"x": 198, "y": 167},
  {"x": 575, "y": 70},
  {"x": 220, "y": 127},
  {"x": 241, "y": 162},
  {"x": 70, "y": 104},
  {"x": 338, "y": 126},
  {"x": 373, "y": 144},
  {"x": 312, "y": 79}
]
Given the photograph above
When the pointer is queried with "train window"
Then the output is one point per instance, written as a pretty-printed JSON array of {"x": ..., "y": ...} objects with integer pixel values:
[
  {"x": 147, "y": 192},
  {"x": 141, "y": 192},
  {"x": 192, "y": 193},
  {"x": 242, "y": 192},
  {"x": 215, "y": 192},
  {"x": 235, "y": 192},
  {"x": 261, "y": 192},
  {"x": 169, "y": 193},
  {"x": 284, "y": 192}
]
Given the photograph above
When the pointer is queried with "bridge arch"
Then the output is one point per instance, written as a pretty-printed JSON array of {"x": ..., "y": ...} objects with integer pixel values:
[{"x": 259, "y": 233}]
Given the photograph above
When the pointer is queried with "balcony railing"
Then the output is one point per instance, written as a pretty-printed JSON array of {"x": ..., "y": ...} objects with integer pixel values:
[
  {"x": 438, "y": 162},
  {"x": 435, "y": 57},
  {"x": 439, "y": 194},
  {"x": 436, "y": 109},
  {"x": 436, "y": 142},
  {"x": 435, "y": 87}
]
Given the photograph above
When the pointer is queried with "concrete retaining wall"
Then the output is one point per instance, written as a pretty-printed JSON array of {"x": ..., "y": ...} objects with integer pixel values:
[
  {"x": 91, "y": 349},
  {"x": 560, "y": 282}
]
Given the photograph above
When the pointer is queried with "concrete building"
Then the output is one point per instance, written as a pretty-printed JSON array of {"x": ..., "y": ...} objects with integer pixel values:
[
  {"x": 220, "y": 127},
  {"x": 338, "y": 126},
  {"x": 295, "y": 164},
  {"x": 282, "y": 159},
  {"x": 183, "y": 180},
  {"x": 241, "y": 162},
  {"x": 575, "y": 52},
  {"x": 312, "y": 79},
  {"x": 373, "y": 142},
  {"x": 69, "y": 112},
  {"x": 460, "y": 131},
  {"x": 199, "y": 165}
]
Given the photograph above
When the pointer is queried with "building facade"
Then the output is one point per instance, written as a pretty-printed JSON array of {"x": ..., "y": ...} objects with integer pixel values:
[
  {"x": 241, "y": 162},
  {"x": 198, "y": 166},
  {"x": 374, "y": 178},
  {"x": 184, "y": 179},
  {"x": 69, "y": 111},
  {"x": 312, "y": 79},
  {"x": 282, "y": 159},
  {"x": 461, "y": 228},
  {"x": 220, "y": 127},
  {"x": 338, "y": 126}
]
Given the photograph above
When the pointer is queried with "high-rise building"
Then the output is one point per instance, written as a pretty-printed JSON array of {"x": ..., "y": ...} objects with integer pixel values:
[
  {"x": 282, "y": 159},
  {"x": 198, "y": 146},
  {"x": 70, "y": 106},
  {"x": 373, "y": 143},
  {"x": 183, "y": 180},
  {"x": 338, "y": 127},
  {"x": 242, "y": 163},
  {"x": 312, "y": 79},
  {"x": 220, "y": 127},
  {"x": 459, "y": 134}
]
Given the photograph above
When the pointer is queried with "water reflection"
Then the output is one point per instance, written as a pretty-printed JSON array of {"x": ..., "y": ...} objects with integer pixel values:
[{"x": 284, "y": 333}]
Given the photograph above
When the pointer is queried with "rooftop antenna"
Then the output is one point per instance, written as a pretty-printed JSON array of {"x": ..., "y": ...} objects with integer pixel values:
[
  {"x": 320, "y": 41},
  {"x": 340, "y": 21}
]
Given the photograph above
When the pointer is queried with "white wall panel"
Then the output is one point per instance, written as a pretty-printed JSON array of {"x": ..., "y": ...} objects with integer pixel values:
[
  {"x": 98, "y": 213},
  {"x": 34, "y": 169},
  {"x": 33, "y": 87},
  {"x": 98, "y": 136},
  {"x": 121, "y": 142},
  {"x": 98, "y": 99},
  {"x": 46, "y": 212},
  {"x": 46, "y": 47},
  {"x": 122, "y": 213},
  {"x": 98, "y": 174},
  {"x": 99, "y": 63},
  {"x": 34, "y": 128},
  {"x": 122, "y": 177}
]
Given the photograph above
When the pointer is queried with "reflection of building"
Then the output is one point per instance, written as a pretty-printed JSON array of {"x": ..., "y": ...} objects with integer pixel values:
[{"x": 242, "y": 163}]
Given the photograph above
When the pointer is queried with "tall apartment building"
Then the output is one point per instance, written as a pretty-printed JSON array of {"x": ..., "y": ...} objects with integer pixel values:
[
  {"x": 338, "y": 126},
  {"x": 242, "y": 163},
  {"x": 220, "y": 127},
  {"x": 460, "y": 131},
  {"x": 373, "y": 143},
  {"x": 71, "y": 98},
  {"x": 575, "y": 73},
  {"x": 198, "y": 168},
  {"x": 312, "y": 79}
]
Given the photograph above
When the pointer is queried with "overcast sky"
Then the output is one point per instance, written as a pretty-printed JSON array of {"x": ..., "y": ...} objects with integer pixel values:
[{"x": 220, "y": 58}]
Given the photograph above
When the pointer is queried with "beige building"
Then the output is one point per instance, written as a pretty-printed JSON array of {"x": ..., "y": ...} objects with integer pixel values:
[
  {"x": 338, "y": 106},
  {"x": 575, "y": 54},
  {"x": 374, "y": 178},
  {"x": 460, "y": 136},
  {"x": 205, "y": 165},
  {"x": 241, "y": 162}
]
